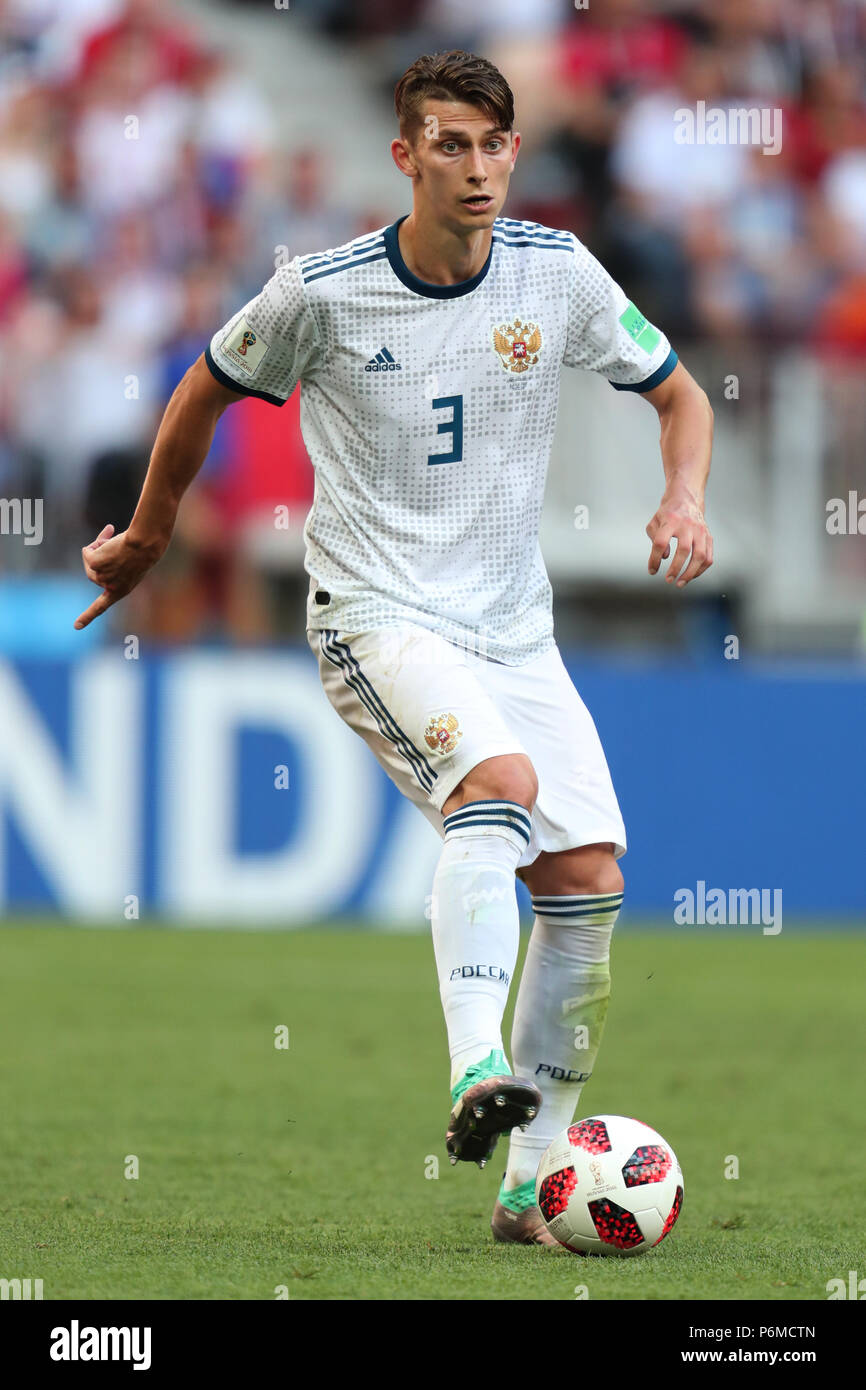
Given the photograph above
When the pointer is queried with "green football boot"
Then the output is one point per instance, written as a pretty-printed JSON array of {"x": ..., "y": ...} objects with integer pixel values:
[{"x": 487, "y": 1101}]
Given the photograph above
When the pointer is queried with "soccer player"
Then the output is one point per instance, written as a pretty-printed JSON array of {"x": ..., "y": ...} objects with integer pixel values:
[{"x": 430, "y": 355}]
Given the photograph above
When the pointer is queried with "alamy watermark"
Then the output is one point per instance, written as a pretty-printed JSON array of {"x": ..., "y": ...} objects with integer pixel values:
[
  {"x": 855, "y": 1288},
  {"x": 77, "y": 1343},
  {"x": 22, "y": 516},
  {"x": 720, "y": 907},
  {"x": 729, "y": 125},
  {"x": 20, "y": 1289},
  {"x": 429, "y": 648},
  {"x": 846, "y": 517}
]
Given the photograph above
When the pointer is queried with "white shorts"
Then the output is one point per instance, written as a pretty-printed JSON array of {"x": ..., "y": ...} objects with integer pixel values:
[{"x": 432, "y": 711}]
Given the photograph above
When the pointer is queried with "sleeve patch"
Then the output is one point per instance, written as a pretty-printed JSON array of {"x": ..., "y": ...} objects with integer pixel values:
[
  {"x": 639, "y": 328},
  {"x": 245, "y": 347}
]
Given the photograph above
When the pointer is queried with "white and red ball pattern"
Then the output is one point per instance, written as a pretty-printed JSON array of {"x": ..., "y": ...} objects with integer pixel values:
[{"x": 609, "y": 1185}]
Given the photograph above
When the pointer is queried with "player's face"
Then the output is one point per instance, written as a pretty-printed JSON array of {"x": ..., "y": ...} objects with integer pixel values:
[{"x": 462, "y": 164}]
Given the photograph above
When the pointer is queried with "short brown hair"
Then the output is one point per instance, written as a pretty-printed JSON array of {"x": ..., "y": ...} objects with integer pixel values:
[{"x": 454, "y": 76}]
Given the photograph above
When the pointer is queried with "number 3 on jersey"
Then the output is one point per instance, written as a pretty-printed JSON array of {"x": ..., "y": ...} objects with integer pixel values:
[{"x": 454, "y": 427}]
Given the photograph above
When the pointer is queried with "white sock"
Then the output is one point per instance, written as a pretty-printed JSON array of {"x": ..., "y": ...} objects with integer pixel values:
[
  {"x": 476, "y": 924},
  {"x": 559, "y": 1015}
]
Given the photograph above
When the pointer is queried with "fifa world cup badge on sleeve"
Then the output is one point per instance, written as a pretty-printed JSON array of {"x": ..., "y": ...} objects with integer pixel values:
[{"x": 245, "y": 347}]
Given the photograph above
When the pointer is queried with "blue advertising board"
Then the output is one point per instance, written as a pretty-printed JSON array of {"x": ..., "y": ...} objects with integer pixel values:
[{"x": 220, "y": 787}]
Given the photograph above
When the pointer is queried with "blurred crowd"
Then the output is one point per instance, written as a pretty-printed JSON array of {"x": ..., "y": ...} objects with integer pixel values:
[
  {"x": 143, "y": 194},
  {"x": 713, "y": 240},
  {"x": 143, "y": 200}
]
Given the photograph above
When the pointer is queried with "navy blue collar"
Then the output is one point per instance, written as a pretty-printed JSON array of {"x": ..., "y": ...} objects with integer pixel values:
[{"x": 402, "y": 271}]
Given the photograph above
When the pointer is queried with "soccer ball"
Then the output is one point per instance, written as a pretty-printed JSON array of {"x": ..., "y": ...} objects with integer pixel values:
[{"x": 609, "y": 1185}]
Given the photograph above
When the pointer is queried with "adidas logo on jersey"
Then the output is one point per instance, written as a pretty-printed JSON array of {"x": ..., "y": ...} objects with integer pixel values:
[{"x": 383, "y": 362}]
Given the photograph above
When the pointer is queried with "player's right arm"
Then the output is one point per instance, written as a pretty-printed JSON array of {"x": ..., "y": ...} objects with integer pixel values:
[
  {"x": 118, "y": 563},
  {"x": 264, "y": 350}
]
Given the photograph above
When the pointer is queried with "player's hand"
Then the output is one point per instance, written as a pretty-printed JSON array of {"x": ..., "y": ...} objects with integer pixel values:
[
  {"x": 116, "y": 564},
  {"x": 680, "y": 518}
]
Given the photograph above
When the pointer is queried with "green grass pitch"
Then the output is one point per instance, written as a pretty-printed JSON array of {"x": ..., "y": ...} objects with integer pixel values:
[{"x": 308, "y": 1168}]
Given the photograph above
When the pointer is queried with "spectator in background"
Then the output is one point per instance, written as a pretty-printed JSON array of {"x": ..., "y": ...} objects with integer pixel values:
[
  {"x": 756, "y": 48},
  {"x": 25, "y": 152},
  {"x": 840, "y": 326},
  {"x": 141, "y": 300},
  {"x": 234, "y": 126},
  {"x": 830, "y": 120},
  {"x": 611, "y": 55},
  {"x": 669, "y": 196},
  {"x": 59, "y": 231},
  {"x": 148, "y": 34},
  {"x": 663, "y": 190},
  {"x": 771, "y": 280},
  {"x": 87, "y": 394},
  {"x": 120, "y": 175},
  {"x": 299, "y": 211},
  {"x": 13, "y": 268}
]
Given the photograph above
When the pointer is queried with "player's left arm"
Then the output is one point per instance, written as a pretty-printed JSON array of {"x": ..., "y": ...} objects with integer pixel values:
[{"x": 686, "y": 419}]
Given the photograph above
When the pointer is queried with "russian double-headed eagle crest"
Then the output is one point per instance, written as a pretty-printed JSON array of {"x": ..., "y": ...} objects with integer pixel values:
[
  {"x": 442, "y": 733},
  {"x": 518, "y": 345}
]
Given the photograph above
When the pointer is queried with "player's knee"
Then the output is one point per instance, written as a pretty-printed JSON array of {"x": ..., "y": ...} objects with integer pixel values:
[
  {"x": 510, "y": 777},
  {"x": 597, "y": 868},
  {"x": 608, "y": 876},
  {"x": 591, "y": 869}
]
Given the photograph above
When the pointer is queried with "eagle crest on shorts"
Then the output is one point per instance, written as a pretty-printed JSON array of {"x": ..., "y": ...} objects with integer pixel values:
[
  {"x": 442, "y": 733},
  {"x": 518, "y": 345}
]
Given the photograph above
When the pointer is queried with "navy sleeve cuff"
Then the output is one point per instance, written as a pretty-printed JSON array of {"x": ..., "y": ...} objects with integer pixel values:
[
  {"x": 225, "y": 380},
  {"x": 656, "y": 379}
]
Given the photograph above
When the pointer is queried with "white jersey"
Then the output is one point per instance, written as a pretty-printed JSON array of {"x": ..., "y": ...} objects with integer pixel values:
[{"x": 428, "y": 412}]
